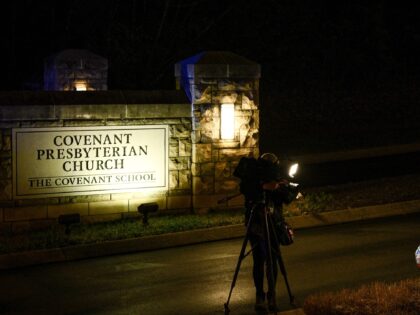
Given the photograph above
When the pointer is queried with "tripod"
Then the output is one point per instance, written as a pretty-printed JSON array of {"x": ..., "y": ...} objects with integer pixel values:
[{"x": 268, "y": 230}]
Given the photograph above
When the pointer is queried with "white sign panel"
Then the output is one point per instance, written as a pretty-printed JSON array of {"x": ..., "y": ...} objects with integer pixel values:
[{"x": 50, "y": 162}]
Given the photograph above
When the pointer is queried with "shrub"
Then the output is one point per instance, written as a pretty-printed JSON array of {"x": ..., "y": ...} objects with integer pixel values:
[{"x": 378, "y": 298}]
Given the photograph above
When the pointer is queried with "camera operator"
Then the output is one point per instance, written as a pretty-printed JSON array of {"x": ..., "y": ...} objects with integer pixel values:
[{"x": 265, "y": 190}]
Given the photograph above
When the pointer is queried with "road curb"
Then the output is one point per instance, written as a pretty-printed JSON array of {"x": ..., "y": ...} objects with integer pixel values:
[{"x": 70, "y": 253}]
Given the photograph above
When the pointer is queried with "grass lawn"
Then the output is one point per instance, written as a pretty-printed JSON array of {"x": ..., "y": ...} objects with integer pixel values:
[{"x": 116, "y": 230}]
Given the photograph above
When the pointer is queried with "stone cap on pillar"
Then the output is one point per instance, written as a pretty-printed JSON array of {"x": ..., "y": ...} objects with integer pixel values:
[{"x": 215, "y": 65}]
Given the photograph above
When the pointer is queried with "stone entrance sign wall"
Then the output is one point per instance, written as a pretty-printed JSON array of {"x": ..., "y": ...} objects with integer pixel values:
[
  {"x": 51, "y": 138},
  {"x": 89, "y": 114}
]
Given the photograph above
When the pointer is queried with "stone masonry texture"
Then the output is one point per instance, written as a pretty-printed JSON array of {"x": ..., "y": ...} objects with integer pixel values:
[
  {"x": 211, "y": 79},
  {"x": 70, "y": 109}
]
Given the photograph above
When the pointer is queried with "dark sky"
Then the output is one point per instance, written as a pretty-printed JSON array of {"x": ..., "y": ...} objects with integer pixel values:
[{"x": 296, "y": 42}]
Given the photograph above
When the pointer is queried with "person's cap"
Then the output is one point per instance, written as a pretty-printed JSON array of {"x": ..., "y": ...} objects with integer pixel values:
[{"x": 270, "y": 157}]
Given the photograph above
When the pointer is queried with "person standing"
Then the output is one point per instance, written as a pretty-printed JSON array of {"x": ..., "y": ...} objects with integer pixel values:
[{"x": 264, "y": 190}]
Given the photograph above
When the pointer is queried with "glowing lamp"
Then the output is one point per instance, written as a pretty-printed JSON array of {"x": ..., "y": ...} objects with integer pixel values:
[
  {"x": 80, "y": 86},
  {"x": 293, "y": 170},
  {"x": 227, "y": 125}
]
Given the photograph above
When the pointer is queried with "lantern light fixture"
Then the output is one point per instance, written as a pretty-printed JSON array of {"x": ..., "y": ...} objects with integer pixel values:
[
  {"x": 80, "y": 86},
  {"x": 227, "y": 124}
]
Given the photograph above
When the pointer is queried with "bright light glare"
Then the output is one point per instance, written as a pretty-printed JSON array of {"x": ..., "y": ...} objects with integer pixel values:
[
  {"x": 293, "y": 170},
  {"x": 227, "y": 128},
  {"x": 80, "y": 86}
]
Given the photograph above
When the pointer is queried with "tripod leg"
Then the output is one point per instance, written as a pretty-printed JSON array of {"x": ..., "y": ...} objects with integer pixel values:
[
  {"x": 270, "y": 261},
  {"x": 235, "y": 276},
  {"x": 242, "y": 255},
  {"x": 283, "y": 272},
  {"x": 281, "y": 265}
]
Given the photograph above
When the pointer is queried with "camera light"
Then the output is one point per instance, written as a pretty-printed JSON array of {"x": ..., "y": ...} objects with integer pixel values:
[{"x": 293, "y": 170}]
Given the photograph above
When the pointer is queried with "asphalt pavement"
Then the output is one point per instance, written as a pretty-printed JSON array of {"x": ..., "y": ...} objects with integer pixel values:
[{"x": 196, "y": 279}]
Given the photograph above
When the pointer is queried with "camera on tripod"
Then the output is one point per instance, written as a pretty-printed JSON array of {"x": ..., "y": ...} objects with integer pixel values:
[
  {"x": 266, "y": 186},
  {"x": 253, "y": 173}
]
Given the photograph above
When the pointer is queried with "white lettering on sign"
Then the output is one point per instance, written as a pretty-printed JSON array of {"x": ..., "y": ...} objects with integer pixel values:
[{"x": 50, "y": 162}]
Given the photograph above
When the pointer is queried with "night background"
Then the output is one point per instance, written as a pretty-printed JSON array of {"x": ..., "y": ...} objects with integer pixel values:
[
  {"x": 341, "y": 66},
  {"x": 339, "y": 93}
]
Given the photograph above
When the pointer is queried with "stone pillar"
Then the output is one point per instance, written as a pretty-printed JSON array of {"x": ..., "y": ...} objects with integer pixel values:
[
  {"x": 75, "y": 69},
  {"x": 211, "y": 79}
]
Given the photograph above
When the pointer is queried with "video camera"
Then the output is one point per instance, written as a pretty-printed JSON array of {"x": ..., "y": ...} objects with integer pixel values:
[{"x": 253, "y": 173}]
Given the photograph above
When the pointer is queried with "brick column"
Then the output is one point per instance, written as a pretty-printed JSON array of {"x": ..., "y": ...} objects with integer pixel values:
[{"x": 211, "y": 79}]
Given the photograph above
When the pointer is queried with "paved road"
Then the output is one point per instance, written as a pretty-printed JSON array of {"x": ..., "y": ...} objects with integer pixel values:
[{"x": 196, "y": 279}]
